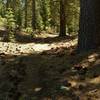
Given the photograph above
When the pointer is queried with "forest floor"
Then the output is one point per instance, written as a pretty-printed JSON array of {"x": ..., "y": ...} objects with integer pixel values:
[{"x": 48, "y": 69}]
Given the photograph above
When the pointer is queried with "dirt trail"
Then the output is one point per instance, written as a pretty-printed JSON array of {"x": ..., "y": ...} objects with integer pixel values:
[
  {"x": 48, "y": 70},
  {"x": 18, "y": 48}
]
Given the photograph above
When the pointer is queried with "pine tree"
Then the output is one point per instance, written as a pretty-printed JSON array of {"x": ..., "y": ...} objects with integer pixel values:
[
  {"x": 62, "y": 18},
  {"x": 33, "y": 14},
  {"x": 89, "y": 32}
]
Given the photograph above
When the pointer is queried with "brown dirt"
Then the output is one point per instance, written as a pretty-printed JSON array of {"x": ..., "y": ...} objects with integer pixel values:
[{"x": 55, "y": 74}]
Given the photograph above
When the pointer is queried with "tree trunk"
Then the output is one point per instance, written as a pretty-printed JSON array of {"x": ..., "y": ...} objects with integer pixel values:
[
  {"x": 33, "y": 14},
  {"x": 7, "y": 4},
  {"x": 97, "y": 21},
  {"x": 25, "y": 13},
  {"x": 62, "y": 18},
  {"x": 88, "y": 28}
]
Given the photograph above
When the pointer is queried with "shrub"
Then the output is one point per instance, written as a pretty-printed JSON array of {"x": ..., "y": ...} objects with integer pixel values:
[
  {"x": 10, "y": 24},
  {"x": 28, "y": 30}
]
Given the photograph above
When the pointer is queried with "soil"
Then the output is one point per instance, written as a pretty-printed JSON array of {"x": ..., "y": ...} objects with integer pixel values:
[{"x": 45, "y": 70}]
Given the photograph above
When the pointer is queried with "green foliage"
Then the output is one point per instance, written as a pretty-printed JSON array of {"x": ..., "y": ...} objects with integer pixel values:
[
  {"x": 2, "y": 21},
  {"x": 47, "y": 14},
  {"x": 10, "y": 23},
  {"x": 18, "y": 18},
  {"x": 72, "y": 16},
  {"x": 2, "y": 8},
  {"x": 39, "y": 22},
  {"x": 44, "y": 12},
  {"x": 28, "y": 30}
]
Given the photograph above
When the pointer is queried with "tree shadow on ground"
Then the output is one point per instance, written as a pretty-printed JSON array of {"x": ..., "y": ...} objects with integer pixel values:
[
  {"x": 29, "y": 39},
  {"x": 22, "y": 74},
  {"x": 25, "y": 73},
  {"x": 91, "y": 58},
  {"x": 41, "y": 75}
]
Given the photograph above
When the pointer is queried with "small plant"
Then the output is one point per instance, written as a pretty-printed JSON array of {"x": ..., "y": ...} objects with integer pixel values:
[
  {"x": 10, "y": 24},
  {"x": 28, "y": 30},
  {"x": 2, "y": 21}
]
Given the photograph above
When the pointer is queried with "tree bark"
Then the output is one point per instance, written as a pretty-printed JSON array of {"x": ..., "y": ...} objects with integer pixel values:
[
  {"x": 62, "y": 18},
  {"x": 88, "y": 27},
  {"x": 26, "y": 13},
  {"x": 7, "y": 4},
  {"x": 97, "y": 21},
  {"x": 33, "y": 14}
]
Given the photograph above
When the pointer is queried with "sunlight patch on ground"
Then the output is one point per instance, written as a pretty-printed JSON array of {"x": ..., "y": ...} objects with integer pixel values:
[
  {"x": 92, "y": 57},
  {"x": 19, "y": 49},
  {"x": 41, "y": 47},
  {"x": 45, "y": 35},
  {"x": 95, "y": 80}
]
